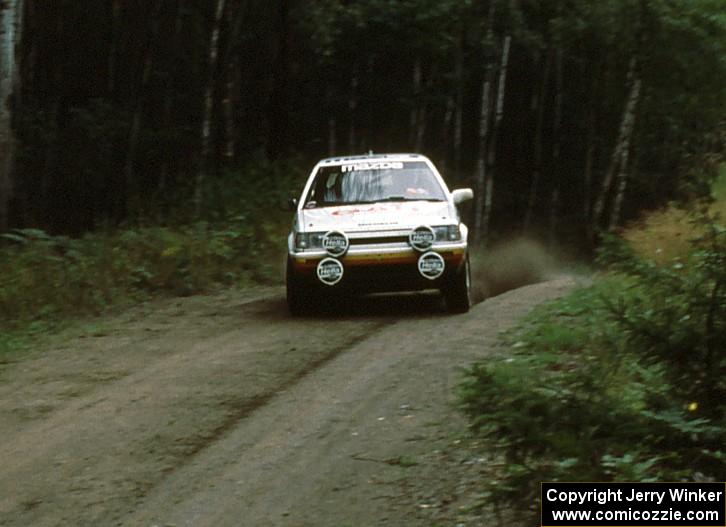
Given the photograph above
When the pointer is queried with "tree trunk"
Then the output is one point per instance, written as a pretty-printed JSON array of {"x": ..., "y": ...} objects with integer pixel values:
[
  {"x": 481, "y": 165},
  {"x": 132, "y": 190},
  {"x": 539, "y": 127},
  {"x": 169, "y": 95},
  {"x": 622, "y": 143},
  {"x": 332, "y": 136},
  {"x": 556, "y": 148},
  {"x": 279, "y": 110},
  {"x": 482, "y": 177},
  {"x": 207, "y": 151},
  {"x": 445, "y": 130},
  {"x": 232, "y": 80},
  {"x": 10, "y": 35},
  {"x": 415, "y": 103},
  {"x": 621, "y": 181},
  {"x": 492, "y": 147},
  {"x": 501, "y": 87},
  {"x": 422, "y": 111},
  {"x": 352, "y": 109},
  {"x": 420, "y": 129},
  {"x": 228, "y": 107},
  {"x": 621, "y": 178},
  {"x": 587, "y": 171},
  {"x": 459, "y": 114},
  {"x": 332, "y": 124},
  {"x": 113, "y": 48}
]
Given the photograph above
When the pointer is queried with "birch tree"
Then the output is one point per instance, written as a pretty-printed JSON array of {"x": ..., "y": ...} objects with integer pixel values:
[
  {"x": 459, "y": 112},
  {"x": 169, "y": 92},
  {"x": 136, "y": 121},
  {"x": 332, "y": 123},
  {"x": 621, "y": 178},
  {"x": 113, "y": 48},
  {"x": 618, "y": 159},
  {"x": 232, "y": 74},
  {"x": 557, "y": 146},
  {"x": 352, "y": 112},
  {"x": 207, "y": 149},
  {"x": 482, "y": 175},
  {"x": 492, "y": 147},
  {"x": 415, "y": 103},
  {"x": 337, "y": 76},
  {"x": 589, "y": 161},
  {"x": 10, "y": 29},
  {"x": 539, "y": 107}
]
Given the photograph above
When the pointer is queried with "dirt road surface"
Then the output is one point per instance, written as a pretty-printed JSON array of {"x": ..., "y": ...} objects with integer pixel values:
[{"x": 224, "y": 411}]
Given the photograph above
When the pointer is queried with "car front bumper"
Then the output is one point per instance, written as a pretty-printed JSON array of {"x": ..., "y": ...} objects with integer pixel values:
[{"x": 380, "y": 269}]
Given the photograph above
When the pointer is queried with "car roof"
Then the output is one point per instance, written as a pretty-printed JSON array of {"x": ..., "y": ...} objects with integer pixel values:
[{"x": 338, "y": 160}]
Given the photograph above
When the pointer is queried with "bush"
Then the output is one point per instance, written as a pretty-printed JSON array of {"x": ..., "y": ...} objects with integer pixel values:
[
  {"x": 46, "y": 277},
  {"x": 237, "y": 239},
  {"x": 621, "y": 381},
  {"x": 676, "y": 315}
]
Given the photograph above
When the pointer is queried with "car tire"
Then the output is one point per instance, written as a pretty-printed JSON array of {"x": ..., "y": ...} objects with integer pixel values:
[
  {"x": 457, "y": 293},
  {"x": 297, "y": 303}
]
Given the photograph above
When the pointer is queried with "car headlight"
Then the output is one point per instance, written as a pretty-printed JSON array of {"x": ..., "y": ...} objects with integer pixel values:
[
  {"x": 447, "y": 233},
  {"x": 309, "y": 240}
]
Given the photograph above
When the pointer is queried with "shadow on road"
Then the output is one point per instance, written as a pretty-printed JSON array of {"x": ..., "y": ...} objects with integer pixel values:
[{"x": 393, "y": 305}]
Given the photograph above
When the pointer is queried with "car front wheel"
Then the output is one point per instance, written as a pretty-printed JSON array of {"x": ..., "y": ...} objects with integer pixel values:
[
  {"x": 297, "y": 303},
  {"x": 457, "y": 293}
]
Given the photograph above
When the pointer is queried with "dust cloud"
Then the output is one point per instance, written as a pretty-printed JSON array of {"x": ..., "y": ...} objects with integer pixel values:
[{"x": 511, "y": 264}]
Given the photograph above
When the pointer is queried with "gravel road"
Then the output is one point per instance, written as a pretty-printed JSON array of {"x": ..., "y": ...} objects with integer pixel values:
[{"x": 222, "y": 410}]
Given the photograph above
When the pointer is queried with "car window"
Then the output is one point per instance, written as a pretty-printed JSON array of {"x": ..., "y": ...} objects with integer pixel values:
[{"x": 368, "y": 182}]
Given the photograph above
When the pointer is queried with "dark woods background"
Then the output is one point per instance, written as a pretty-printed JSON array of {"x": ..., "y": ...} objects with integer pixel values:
[{"x": 565, "y": 116}]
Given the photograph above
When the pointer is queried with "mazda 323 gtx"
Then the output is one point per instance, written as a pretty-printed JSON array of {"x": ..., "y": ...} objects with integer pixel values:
[{"x": 377, "y": 223}]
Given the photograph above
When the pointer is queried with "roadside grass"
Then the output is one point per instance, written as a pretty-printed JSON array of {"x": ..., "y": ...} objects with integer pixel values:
[
  {"x": 48, "y": 282},
  {"x": 572, "y": 396},
  {"x": 664, "y": 235},
  {"x": 619, "y": 381},
  {"x": 11, "y": 341}
]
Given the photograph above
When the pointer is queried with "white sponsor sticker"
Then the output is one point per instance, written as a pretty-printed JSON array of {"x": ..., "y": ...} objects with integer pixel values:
[
  {"x": 422, "y": 238},
  {"x": 330, "y": 271},
  {"x": 431, "y": 265},
  {"x": 335, "y": 243},
  {"x": 382, "y": 165}
]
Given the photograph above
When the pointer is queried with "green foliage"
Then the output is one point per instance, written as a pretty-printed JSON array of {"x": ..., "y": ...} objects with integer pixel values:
[
  {"x": 254, "y": 191},
  {"x": 44, "y": 277},
  {"x": 675, "y": 315},
  {"x": 109, "y": 129},
  {"x": 620, "y": 381}
]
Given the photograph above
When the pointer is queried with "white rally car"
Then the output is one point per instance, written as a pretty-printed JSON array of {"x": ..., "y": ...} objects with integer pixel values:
[{"x": 377, "y": 223}]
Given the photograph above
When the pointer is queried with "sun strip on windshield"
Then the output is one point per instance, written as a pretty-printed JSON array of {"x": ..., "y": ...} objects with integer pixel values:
[{"x": 383, "y": 165}]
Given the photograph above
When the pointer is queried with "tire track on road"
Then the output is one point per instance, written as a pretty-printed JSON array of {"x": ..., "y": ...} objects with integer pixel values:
[{"x": 92, "y": 457}]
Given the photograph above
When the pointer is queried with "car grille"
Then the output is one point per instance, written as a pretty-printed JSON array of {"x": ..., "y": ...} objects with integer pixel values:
[{"x": 375, "y": 240}]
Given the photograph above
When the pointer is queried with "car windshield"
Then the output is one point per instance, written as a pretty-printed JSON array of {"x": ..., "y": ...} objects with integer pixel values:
[{"x": 373, "y": 181}]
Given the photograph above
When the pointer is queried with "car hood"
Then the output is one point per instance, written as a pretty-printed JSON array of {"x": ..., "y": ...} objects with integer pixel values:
[{"x": 377, "y": 216}]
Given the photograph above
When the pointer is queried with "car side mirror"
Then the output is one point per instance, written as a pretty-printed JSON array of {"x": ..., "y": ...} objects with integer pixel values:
[
  {"x": 289, "y": 206},
  {"x": 461, "y": 195}
]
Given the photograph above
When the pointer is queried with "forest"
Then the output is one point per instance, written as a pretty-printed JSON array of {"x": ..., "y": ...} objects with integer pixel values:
[
  {"x": 567, "y": 117},
  {"x": 147, "y": 149}
]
